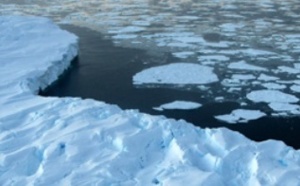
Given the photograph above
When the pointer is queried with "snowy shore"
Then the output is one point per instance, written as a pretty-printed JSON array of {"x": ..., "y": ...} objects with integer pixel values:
[{"x": 70, "y": 141}]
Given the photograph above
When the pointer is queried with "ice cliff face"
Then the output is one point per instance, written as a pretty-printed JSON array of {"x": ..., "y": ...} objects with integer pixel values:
[{"x": 70, "y": 141}]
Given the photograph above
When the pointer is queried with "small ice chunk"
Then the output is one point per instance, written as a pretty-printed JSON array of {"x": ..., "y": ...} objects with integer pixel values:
[
  {"x": 124, "y": 36},
  {"x": 297, "y": 82},
  {"x": 213, "y": 58},
  {"x": 183, "y": 55},
  {"x": 289, "y": 70},
  {"x": 295, "y": 88},
  {"x": 231, "y": 82},
  {"x": 176, "y": 73},
  {"x": 241, "y": 115},
  {"x": 242, "y": 65},
  {"x": 189, "y": 39},
  {"x": 243, "y": 76},
  {"x": 297, "y": 65},
  {"x": 231, "y": 27},
  {"x": 269, "y": 96},
  {"x": 177, "y": 44},
  {"x": 265, "y": 77},
  {"x": 141, "y": 23},
  {"x": 183, "y": 105},
  {"x": 219, "y": 98},
  {"x": 256, "y": 52},
  {"x": 130, "y": 29},
  {"x": 273, "y": 86}
]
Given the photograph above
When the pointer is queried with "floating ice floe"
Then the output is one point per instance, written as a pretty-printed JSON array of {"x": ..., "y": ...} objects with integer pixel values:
[
  {"x": 231, "y": 27},
  {"x": 182, "y": 105},
  {"x": 264, "y": 77},
  {"x": 124, "y": 36},
  {"x": 286, "y": 69},
  {"x": 242, "y": 65},
  {"x": 241, "y": 116},
  {"x": 183, "y": 54},
  {"x": 270, "y": 96},
  {"x": 176, "y": 73},
  {"x": 72, "y": 141},
  {"x": 243, "y": 76},
  {"x": 286, "y": 107},
  {"x": 295, "y": 88},
  {"x": 130, "y": 29},
  {"x": 273, "y": 86},
  {"x": 205, "y": 58}
]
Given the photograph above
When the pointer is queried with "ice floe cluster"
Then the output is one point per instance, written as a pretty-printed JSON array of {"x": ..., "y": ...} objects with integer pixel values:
[{"x": 71, "y": 141}]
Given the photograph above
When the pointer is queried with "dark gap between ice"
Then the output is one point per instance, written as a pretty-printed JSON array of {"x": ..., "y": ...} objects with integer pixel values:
[{"x": 104, "y": 72}]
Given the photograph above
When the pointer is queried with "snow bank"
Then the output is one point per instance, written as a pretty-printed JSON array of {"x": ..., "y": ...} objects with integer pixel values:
[
  {"x": 183, "y": 105},
  {"x": 70, "y": 141},
  {"x": 176, "y": 73}
]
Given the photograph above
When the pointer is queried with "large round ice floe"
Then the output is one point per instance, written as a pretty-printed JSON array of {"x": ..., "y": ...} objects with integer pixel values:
[
  {"x": 177, "y": 73},
  {"x": 269, "y": 96}
]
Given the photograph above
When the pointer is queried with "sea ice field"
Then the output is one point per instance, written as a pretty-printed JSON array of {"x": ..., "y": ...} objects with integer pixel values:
[{"x": 223, "y": 51}]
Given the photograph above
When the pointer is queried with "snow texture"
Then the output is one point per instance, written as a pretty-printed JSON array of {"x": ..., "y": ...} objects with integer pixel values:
[{"x": 71, "y": 141}]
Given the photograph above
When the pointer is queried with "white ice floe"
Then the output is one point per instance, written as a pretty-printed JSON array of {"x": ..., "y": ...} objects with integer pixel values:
[
  {"x": 182, "y": 105},
  {"x": 265, "y": 77},
  {"x": 231, "y": 27},
  {"x": 71, "y": 141},
  {"x": 242, "y": 65},
  {"x": 286, "y": 69},
  {"x": 286, "y": 107},
  {"x": 243, "y": 76},
  {"x": 241, "y": 116},
  {"x": 206, "y": 58},
  {"x": 125, "y": 36},
  {"x": 270, "y": 96},
  {"x": 129, "y": 29},
  {"x": 295, "y": 88},
  {"x": 176, "y": 73},
  {"x": 273, "y": 86},
  {"x": 183, "y": 54}
]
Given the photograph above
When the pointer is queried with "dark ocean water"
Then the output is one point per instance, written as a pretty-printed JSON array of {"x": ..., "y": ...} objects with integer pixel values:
[{"x": 104, "y": 72}]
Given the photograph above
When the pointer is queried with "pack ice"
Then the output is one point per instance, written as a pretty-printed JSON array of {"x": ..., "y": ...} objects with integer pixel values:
[{"x": 71, "y": 141}]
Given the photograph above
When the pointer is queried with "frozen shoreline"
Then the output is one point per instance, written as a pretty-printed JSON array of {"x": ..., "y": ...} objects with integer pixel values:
[{"x": 45, "y": 140}]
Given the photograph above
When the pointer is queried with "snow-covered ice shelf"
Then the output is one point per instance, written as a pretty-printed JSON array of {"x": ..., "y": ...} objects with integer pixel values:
[{"x": 71, "y": 141}]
